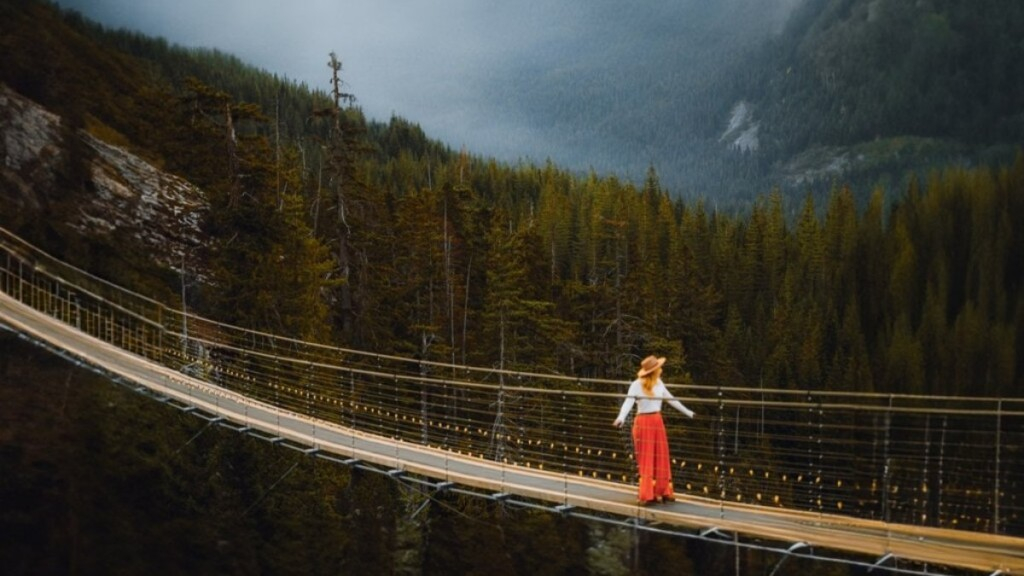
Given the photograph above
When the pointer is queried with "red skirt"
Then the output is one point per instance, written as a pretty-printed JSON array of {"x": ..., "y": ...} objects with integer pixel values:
[{"x": 650, "y": 446}]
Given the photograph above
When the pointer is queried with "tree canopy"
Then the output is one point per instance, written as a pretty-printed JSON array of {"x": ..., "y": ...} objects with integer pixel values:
[{"x": 329, "y": 227}]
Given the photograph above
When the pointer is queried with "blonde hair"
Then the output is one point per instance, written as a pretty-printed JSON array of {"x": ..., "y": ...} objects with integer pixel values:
[{"x": 649, "y": 380}]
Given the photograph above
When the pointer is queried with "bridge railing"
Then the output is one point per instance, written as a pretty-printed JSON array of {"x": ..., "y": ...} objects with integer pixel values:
[{"x": 953, "y": 462}]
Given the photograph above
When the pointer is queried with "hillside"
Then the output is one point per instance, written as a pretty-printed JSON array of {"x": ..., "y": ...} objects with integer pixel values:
[
  {"x": 308, "y": 221},
  {"x": 868, "y": 77},
  {"x": 128, "y": 198},
  {"x": 727, "y": 100},
  {"x": 863, "y": 70},
  {"x": 202, "y": 182}
]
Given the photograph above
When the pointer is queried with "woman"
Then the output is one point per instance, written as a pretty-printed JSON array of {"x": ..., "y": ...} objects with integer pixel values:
[{"x": 650, "y": 442}]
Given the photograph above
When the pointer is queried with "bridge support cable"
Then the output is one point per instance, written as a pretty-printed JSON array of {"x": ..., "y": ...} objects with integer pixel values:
[
  {"x": 787, "y": 555},
  {"x": 194, "y": 436},
  {"x": 271, "y": 489},
  {"x": 714, "y": 531},
  {"x": 885, "y": 558}
]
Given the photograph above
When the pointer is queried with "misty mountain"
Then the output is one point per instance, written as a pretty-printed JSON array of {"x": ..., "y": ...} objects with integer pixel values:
[
  {"x": 631, "y": 86},
  {"x": 729, "y": 99},
  {"x": 726, "y": 100}
]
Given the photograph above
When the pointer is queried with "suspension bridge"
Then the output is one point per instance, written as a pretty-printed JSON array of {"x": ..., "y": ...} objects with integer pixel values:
[{"x": 907, "y": 484}]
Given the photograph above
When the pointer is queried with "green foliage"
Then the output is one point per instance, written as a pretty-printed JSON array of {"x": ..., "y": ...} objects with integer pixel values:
[
  {"x": 335, "y": 229},
  {"x": 886, "y": 68},
  {"x": 268, "y": 269},
  {"x": 381, "y": 238},
  {"x": 520, "y": 328}
]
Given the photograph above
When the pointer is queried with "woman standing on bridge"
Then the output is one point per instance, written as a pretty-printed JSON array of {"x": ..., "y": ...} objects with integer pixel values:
[{"x": 650, "y": 442}]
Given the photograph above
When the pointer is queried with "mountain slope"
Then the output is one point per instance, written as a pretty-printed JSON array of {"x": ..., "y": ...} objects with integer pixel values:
[
  {"x": 127, "y": 201},
  {"x": 870, "y": 68},
  {"x": 637, "y": 86},
  {"x": 662, "y": 84}
]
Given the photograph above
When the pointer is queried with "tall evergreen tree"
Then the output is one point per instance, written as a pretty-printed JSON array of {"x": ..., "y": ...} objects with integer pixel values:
[
  {"x": 520, "y": 327},
  {"x": 268, "y": 272}
]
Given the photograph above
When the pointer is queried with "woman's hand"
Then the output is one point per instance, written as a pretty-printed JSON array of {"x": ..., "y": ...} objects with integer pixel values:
[{"x": 617, "y": 423}]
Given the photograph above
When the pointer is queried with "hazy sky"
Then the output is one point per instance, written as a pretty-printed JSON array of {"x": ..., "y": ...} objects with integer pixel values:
[
  {"x": 416, "y": 59},
  {"x": 453, "y": 66}
]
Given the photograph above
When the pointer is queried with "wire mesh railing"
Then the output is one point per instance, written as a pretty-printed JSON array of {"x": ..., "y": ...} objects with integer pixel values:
[{"x": 950, "y": 462}]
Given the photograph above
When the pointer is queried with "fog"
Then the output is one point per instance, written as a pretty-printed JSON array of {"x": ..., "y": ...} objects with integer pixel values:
[{"x": 442, "y": 64}]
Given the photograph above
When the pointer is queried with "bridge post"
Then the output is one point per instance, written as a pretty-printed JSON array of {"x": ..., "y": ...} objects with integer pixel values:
[
  {"x": 819, "y": 481},
  {"x": 810, "y": 451},
  {"x": 999, "y": 442},
  {"x": 886, "y": 469},
  {"x": 352, "y": 400},
  {"x": 721, "y": 452},
  {"x": 158, "y": 339},
  {"x": 939, "y": 486},
  {"x": 579, "y": 439},
  {"x": 925, "y": 499},
  {"x": 424, "y": 411},
  {"x": 564, "y": 431}
]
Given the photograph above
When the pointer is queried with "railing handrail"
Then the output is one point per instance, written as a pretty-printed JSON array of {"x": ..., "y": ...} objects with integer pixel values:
[{"x": 8, "y": 236}]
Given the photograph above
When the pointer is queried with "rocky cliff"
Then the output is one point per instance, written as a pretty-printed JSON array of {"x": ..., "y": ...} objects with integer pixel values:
[{"x": 122, "y": 192}]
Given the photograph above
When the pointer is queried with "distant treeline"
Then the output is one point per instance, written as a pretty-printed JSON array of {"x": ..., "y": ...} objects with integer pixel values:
[{"x": 326, "y": 227}]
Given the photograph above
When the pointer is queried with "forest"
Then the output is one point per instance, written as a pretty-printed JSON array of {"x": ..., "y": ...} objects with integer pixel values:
[{"x": 330, "y": 228}]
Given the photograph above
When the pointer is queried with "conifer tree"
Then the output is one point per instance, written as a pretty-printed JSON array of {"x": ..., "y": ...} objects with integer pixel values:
[
  {"x": 516, "y": 323},
  {"x": 351, "y": 217},
  {"x": 872, "y": 264},
  {"x": 419, "y": 296},
  {"x": 267, "y": 270}
]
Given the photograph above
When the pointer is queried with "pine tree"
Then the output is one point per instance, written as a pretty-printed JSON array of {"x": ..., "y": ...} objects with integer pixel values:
[
  {"x": 419, "y": 294},
  {"x": 520, "y": 327},
  {"x": 267, "y": 270},
  {"x": 351, "y": 216}
]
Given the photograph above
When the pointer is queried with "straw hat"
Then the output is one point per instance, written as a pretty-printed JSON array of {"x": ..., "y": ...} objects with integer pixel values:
[{"x": 650, "y": 364}]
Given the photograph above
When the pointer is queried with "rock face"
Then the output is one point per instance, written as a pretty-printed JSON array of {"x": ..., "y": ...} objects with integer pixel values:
[
  {"x": 28, "y": 140},
  {"x": 742, "y": 132},
  {"x": 161, "y": 211}
]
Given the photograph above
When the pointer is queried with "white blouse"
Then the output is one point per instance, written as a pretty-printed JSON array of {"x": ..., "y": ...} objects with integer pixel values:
[{"x": 649, "y": 404}]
